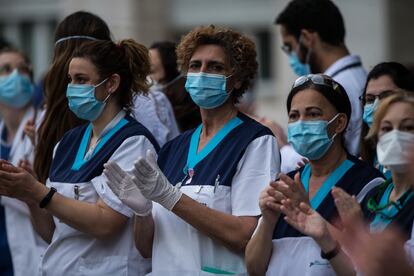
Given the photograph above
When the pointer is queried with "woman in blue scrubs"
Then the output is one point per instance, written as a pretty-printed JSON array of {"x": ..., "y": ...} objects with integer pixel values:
[
  {"x": 208, "y": 182},
  {"x": 88, "y": 229},
  {"x": 318, "y": 109}
]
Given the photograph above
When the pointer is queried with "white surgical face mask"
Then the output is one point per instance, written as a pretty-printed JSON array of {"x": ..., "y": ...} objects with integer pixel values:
[{"x": 392, "y": 148}]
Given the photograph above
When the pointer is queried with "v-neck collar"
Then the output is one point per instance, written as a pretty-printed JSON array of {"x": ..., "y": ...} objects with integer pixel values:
[
  {"x": 116, "y": 124},
  {"x": 327, "y": 185},
  {"x": 193, "y": 158},
  {"x": 384, "y": 217}
]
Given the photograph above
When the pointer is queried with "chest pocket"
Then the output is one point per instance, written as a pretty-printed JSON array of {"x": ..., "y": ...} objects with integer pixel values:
[{"x": 219, "y": 200}]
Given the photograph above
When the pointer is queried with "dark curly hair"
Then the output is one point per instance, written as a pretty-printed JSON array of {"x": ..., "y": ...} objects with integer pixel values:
[{"x": 240, "y": 50}]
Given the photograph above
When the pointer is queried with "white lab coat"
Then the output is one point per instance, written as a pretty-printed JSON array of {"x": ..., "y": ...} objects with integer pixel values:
[{"x": 25, "y": 244}]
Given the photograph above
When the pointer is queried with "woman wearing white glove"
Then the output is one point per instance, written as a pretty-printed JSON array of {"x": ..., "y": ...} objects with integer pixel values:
[
  {"x": 207, "y": 185},
  {"x": 89, "y": 230}
]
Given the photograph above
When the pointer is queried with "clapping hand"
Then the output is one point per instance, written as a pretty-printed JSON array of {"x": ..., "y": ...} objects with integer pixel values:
[{"x": 123, "y": 186}]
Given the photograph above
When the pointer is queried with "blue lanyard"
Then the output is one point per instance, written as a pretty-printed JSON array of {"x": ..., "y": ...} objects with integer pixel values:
[
  {"x": 193, "y": 158},
  {"x": 326, "y": 187},
  {"x": 80, "y": 156},
  {"x": 385, "y": 216}
]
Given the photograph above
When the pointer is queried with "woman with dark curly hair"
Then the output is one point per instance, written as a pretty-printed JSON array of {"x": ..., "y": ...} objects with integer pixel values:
[{"x": 207, "y": 185}]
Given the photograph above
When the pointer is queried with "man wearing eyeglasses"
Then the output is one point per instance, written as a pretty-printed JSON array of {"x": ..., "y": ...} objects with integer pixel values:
[{"x": 313, "y": 34}]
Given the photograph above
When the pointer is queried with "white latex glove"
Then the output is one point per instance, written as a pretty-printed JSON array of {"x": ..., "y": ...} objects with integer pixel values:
[
  {"x": 123, "y": 186},
  {"x": 153, "y": 184}
]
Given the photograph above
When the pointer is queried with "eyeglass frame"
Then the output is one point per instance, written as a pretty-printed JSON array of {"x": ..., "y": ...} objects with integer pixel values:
[{"x": 382, "y": 95}]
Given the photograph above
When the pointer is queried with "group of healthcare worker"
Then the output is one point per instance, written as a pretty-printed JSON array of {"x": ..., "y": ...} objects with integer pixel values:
[{"x": 101, "y": 197}]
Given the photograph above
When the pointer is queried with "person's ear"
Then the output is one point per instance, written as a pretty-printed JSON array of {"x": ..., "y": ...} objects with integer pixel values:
[
  {"x": 308, "y": 38},
  {"x": 340, "y": 122},
  {"x": 233, "y": 84},
  {"x": 113, "y": 83}
]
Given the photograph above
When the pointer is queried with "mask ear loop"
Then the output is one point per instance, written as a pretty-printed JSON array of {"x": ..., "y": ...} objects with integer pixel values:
[
  {"x": 231, "y": 91},
  {"x": 99, "y": 84},
  {"x": 330, "y": 121}
]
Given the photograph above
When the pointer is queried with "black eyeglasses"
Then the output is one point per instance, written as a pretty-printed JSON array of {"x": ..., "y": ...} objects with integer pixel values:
[
  {"x": 318, "y": 79},
  {"x": 369, "y": 98}
]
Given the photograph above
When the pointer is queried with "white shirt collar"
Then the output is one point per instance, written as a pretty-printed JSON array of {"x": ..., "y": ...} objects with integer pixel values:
[{"x": 342, "y": 63}]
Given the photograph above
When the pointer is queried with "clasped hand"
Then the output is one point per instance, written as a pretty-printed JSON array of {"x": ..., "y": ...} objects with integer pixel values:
[
  {"x": 16, "y": 182},
  {"x": 146, "y": 183}
]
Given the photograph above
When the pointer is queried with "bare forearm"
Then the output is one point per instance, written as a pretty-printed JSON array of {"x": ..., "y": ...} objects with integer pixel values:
[
  {"x": 42, "y": 222},
  {"x": 88, "y": 218},
  {"x": 144, "y": 235},
  {"x": 259, "y": 249},
  {"x": 233, "y": 232}
]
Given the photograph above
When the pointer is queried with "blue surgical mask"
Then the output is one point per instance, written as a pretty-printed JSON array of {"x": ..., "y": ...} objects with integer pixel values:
[
  {"x": 82, "y": 101},
  {"x": 369, "y": 109},
  {"x": 310, "y": 138},
  {"x": 299, "y": 68},
  {"x": 16, "y": 90},
  {"x": 207, "y": 90}
]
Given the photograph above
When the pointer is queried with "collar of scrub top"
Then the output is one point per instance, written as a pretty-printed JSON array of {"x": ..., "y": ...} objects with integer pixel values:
[
  {"x": 83, "y": 155},
  {"x": 193, "y": 158},
  {"x": 388, "y": 210},
  {"x": 327, "y": 185}
]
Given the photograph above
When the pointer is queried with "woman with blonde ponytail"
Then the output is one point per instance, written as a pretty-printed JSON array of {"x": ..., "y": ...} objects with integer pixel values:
[{"x": 88, "y": 227}]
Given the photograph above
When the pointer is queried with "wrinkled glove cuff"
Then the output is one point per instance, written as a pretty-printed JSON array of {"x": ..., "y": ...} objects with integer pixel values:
[
  {"x": 145, "y": 212},
  {"x": 171, "y": 199}
]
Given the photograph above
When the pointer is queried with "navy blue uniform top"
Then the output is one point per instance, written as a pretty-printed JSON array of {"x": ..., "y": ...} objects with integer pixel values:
[
  {"x": 352, "y": 182},
  {"x": 402, "y": 221},
  {"x": 62, "y": 169},
  {"x": 222, "y": 160}
]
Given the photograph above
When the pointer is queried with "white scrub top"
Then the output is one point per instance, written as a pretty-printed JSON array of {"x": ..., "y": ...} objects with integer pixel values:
[
  {"x": 348, "y": 72},
  {"x": 290, "y": 159},
  {"x": 179, "y": 248},
  {"x": 25, "y": 244},
  {"x": 154, "y": 111},
  {"x": 73, "y": 252}
]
